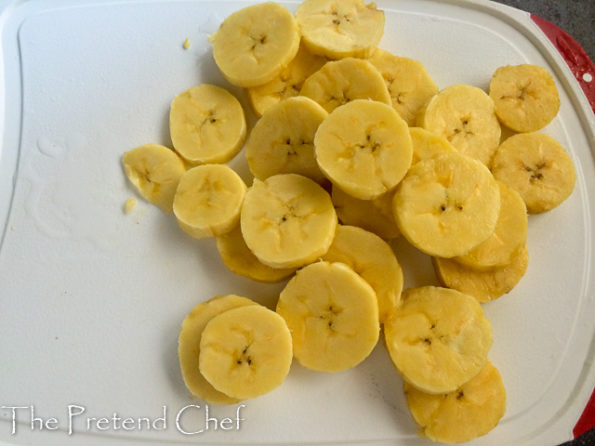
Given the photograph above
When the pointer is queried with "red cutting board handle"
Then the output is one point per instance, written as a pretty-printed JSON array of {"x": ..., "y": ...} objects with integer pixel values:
[{"x": 575, "y": 56}]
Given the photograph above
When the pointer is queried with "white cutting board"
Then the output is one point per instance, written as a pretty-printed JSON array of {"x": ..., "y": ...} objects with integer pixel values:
[{"x": 91, "y": 300}]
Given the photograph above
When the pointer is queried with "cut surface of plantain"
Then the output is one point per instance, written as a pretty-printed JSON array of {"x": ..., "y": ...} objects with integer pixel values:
[
  {"x": 208, "y": 200},
  {"x": 282, "y": 141},
  {"x": 525, "y": 96},
  {"x": 288, "y": 220},
  {"x": 438, "y": 338},
  {"x": 246, "y": 352},
  {"x": 509, "y": 236},
  {"x": 538, "y": 168},
  {"x": 373, "y": 215},
  {"x": 332, "y": 314},
  {"x": 341, "y": 81},
  {"x": 155, "y": 171},
  {"x": 470, "y": 411},
  {"x": 240, "y": 260},
  {"x": 465, "y": 116},
  {"x": 189, "y": 346},
  {"x": 427, "y": 144},
  {"x": 485, "y": 284},
  {"x": 408, "y": 82},
  {"x": 364, "y": 147},
  {"x": 340, "y": 28},
  {"x": 254, "y": 44},
  {"x": 447, "y": 205},
  {"x": 288, "y": 83},
  {"x": 207, "y": 124},
  {"x": 373, "y": 259}
]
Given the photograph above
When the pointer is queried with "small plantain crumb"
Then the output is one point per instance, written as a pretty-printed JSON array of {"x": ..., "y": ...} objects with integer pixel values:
[{"x": 129, "y": 205}]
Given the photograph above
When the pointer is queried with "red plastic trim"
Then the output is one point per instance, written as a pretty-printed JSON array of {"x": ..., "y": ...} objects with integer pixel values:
[
  {"x": 587, "y": 420},
  {"x": 584, "y": 71},
  {"x": 575, "y": 56}
]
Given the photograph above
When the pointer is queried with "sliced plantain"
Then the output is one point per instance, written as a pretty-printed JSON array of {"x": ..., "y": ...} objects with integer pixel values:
[
  {"x": 427, "y": 144},
  {"x": 282, "y": 141},
  {"x": 189, "y": 346},
  {"x": 208, "y": 200},
  {"x": 364, "y": 147},
  {"x": 468, "y": 412},
  {"x": 254, "y": 44},
  {"x": 447, "y": 205},
  {"x": 155, "y": 172},
  {"x": 438, "y": 338},
  {"x": 288, "y": 83},
  {"x": 538, "y": 168},
  {"x": 465, "y": 116},
  {"x": 332, "y": 314},
  {"x": 484, "y": 285},
  {"x": 373, "y": 215},
  {"x": 525, "y": 96},
  {"x": 509, "y": 235},
  {"x": 240, "y": 260},
  {"x": 245, "y": 352},
  {"x": 373, "y": 259},
  {"x": 341, "y": 81},
  {"x": 207, "y": 124},
  {"x": 288, "y": 220},
  {"x": 340, "y": 28},
  {"x": 408, "y": 82}
]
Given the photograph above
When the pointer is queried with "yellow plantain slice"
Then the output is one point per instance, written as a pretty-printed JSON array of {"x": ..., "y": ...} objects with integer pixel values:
[
  {"x": 438, "y": 339},
  {"x": 470, "y": 411},
  {"x": 189, "y": 346},
  {"x": 538, "y": 168},
  {"x": 484, "y": 285},
  {"x": 447, "y": 205},
  {"x": 525, "y": 97},
  {"x": 340, "y": 28},
  {"x": 245, "y": 352},
  {"x": 254, "y": 44},
  {"x": 332, "y": 314}
]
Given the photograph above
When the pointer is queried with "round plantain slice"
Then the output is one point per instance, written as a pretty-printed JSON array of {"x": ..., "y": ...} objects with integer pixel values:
[
  {"x": 155, "y": 172},
  {"x": 288, "y": 83},
  {"x": 373, "y": 259},
  {"x": 245, "y": 352},
  {"x": 240, "y": 260},
  {"x": 525, "y": 96},
  {"x": 438, "y": 338},
  {"x": 408, "y": 82},
  {"x": 508, "y": 237},
  {"x": 288, "y": 220},
  {"x": 470, "y": 411},
  {"x": 208, "y": 200},
  {"x": 189, "y": 346},
  {"x": 447, "y": 205},
  {"x": 282, "y": 140},
  {"x": 537, "y": 167},
  {"x": 340, "y": 28},
  {"x": 341, "y": 81},
  {"x": 427, "y": 144},
  {"x": 465, "y": 116},
  {"x": 207, "y": 124},
  {"x": 332, "y": 313},
  {"x": 372, "y": 215},
  {"x": 364, "y": 147},
  {"x": 484, "y": 285},
  {"x": 254, "y": 44}
]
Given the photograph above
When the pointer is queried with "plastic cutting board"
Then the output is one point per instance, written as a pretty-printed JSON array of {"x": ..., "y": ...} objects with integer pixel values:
[{"x": 91, "y": 300}]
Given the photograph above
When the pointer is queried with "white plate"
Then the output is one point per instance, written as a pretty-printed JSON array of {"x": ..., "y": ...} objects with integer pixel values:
[{"x": 91, "y": 300}]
